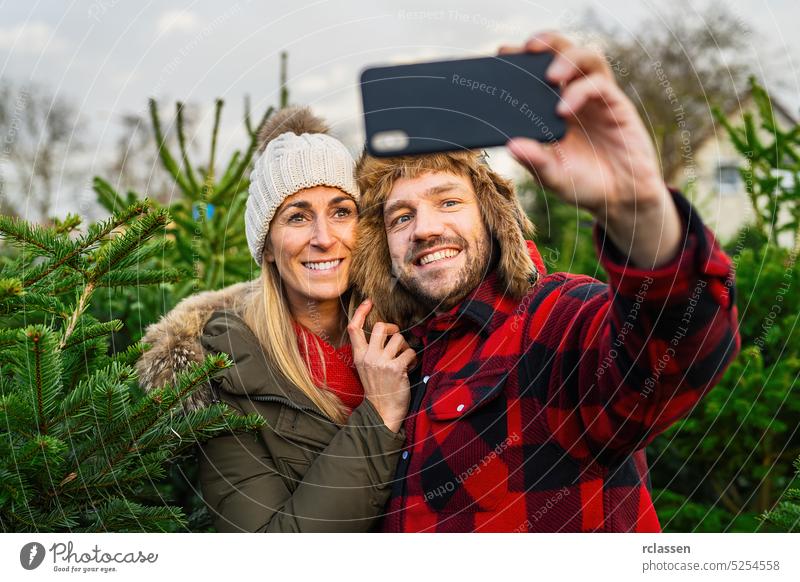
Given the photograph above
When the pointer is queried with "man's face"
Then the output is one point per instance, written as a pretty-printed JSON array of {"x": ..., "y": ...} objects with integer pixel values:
[{"x": 438, "y": 242}]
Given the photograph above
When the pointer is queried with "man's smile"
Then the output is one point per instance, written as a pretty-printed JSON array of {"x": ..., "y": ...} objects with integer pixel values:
[{"x": 436, "y": 256}]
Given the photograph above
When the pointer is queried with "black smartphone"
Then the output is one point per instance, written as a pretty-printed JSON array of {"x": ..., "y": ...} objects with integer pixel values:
[{"x": 459, "y": 104}]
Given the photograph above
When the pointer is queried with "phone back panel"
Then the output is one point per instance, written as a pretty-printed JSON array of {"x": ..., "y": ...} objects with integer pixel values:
[{"x": 458, "y": 104}]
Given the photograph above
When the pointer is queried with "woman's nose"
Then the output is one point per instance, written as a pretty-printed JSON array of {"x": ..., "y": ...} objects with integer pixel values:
[{"x": 323, "y": 235}]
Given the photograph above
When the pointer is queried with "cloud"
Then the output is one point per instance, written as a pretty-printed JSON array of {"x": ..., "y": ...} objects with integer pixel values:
[
  {"x": 178, "y": 21},
  {"x": 30, "y": 37}
]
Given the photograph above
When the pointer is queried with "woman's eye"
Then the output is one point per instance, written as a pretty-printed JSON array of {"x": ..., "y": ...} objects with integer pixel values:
[
  {"x": 296, "y": 218},
  {"x": 343, "y": 212}
]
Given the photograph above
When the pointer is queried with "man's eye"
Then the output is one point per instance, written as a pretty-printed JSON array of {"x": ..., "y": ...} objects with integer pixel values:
[
  {"x": 400, "y": 219},
  {"x": 450, "y": 202}
]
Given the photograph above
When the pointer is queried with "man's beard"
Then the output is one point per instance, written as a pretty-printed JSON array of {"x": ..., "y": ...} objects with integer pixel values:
[{"x": 444, "y": 298}]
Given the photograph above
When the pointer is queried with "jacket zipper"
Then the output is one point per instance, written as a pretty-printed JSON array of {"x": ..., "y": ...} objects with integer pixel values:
[{"x": 290, "y": 404}]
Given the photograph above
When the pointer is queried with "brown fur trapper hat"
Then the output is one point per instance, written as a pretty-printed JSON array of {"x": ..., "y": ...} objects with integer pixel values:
[{"x": 506, "y": 222}]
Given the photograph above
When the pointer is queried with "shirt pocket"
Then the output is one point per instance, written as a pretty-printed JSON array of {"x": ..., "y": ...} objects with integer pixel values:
[{"x": 465, "y": 452}]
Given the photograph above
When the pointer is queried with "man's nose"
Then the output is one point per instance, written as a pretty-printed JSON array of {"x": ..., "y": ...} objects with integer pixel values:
[{"x": 427, "y": 225}]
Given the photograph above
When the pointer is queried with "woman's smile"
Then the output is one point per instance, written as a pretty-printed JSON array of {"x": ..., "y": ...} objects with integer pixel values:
[{"x": 323, "y": 266}]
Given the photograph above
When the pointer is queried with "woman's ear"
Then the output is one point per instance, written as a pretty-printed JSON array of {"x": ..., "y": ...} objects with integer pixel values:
[{"x": 268, "y": 256}]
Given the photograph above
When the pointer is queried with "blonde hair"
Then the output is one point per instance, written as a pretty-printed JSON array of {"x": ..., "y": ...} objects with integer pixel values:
[{"x": 266, "y": 312}]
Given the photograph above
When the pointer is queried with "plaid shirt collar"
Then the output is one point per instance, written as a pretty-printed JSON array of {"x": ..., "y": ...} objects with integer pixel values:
[{"x": 484, "y": 310}]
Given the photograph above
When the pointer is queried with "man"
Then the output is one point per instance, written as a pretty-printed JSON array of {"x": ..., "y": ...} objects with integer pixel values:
[{"x": 539, "y": 391}]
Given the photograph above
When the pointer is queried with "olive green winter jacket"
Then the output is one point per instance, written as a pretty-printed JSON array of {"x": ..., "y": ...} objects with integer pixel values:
[{"x": 300, "y": 472}]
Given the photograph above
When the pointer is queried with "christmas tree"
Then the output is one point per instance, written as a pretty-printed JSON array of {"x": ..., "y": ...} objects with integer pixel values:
[
  {"x": 786, "y": 516},
  {"x": 80, "y": 445}
]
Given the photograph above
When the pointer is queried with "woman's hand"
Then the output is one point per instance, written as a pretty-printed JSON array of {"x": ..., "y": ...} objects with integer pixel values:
[{"x": 383, "y": 369}]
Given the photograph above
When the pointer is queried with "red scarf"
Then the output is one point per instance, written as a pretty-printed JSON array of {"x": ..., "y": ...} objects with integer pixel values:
[{"x": 342, "y": 377}]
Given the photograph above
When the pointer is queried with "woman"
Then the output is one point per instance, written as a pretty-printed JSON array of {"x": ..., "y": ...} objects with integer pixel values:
[{"x": 326, "y": 457}]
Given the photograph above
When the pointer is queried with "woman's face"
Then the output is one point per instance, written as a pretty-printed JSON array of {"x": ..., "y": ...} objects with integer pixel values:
[{"x": 311, "y": 240}]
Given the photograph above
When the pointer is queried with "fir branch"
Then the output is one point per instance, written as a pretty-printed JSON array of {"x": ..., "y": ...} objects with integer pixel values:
[
  {"x": 208, "y": 185},
  {"x": 187, "y": 166},
  {"x": 107, "y": 195},
  {"x": 229, "y": 169},
  {"x": 39, "y": 239},
  {"x": 96, "y": 233},
  {"x": 153, "y": 249},
  {"x": 146, "y": 412},
  {"x": 10, "y": 288},
  {"x": 32, "y": 301},
  {"x": 117, "y": 514},
  {"x": 86, "y": 333},
  {"x": 83, "y": 303},
  {"x": 16, "y": 413},
  {"x": 38, "y": 366},
  {"x": 224, "y": 187},
  {"x": 12, "y": 486},
  {"x": 100, "y": 231},
  {"x": 163, "y": 151},
  {"x": 40, "y": 451},
  {"x": 131, "y": 354},
  {"x": 37, "y": 274},
  {"x": 8, "y": 338},
  {"x": 131, "y": 474},
  {"x": 66, "y": 225},
  {"x": 200, "y": 425},
  {"x": 142, "y": 277},
  {"x": 66, "y": 282},
  {"x": 109, "y": 255},
  {"x": 79, "y": 401}
]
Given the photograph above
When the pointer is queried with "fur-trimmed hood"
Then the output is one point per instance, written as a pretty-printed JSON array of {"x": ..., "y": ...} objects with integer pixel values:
[
  {"x": 175, "y": 338},
  {"x": 504, "y": 217}
]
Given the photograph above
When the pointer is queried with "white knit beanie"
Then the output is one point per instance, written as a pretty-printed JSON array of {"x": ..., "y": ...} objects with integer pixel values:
[{"x": 297, "y": 153}]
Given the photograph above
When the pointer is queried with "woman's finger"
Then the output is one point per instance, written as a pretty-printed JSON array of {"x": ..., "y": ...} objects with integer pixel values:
[
  {"x": 391, "y": 328},
  {"x": 395, "y": 345},
  {"x": 377, "y": 337},
  {"x": 355, "y": 329},
  {"x": 408, "y": 358}
]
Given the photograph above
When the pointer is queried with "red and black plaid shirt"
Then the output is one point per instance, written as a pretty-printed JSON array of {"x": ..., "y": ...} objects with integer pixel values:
[{"x": 531, "y": 414}]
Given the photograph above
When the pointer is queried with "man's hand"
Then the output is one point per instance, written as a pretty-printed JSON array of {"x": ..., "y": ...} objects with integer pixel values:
[{"x": 606, "y": 163}]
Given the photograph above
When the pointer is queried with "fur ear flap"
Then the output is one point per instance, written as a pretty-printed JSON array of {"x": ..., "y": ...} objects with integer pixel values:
[
  {"x": 371, "y": 272},
  {"x": 508, "y": 223}
]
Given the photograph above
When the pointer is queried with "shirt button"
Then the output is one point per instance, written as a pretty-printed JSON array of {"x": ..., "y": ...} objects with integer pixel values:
[
  {"x": 405, "y": 455},
  {"x": 426, "y": 378},
  {"x": 460, "y": 407}
]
